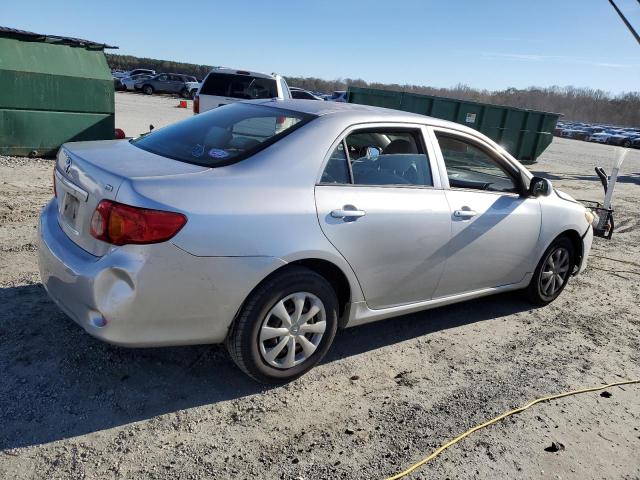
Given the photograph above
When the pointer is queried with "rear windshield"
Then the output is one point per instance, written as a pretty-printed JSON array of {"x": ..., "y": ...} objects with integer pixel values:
[
  {"x": 223, "y": 135},
  {"x": 239, "y": 86}
]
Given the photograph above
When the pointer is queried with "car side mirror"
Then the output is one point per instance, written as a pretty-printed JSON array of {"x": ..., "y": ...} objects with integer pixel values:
[
  {"x": 373, "y": 153},
  {"x": 540, "y": 187}
]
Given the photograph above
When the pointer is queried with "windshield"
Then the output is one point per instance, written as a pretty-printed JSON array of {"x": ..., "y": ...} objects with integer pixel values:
[{"x": 223, "y": 135}]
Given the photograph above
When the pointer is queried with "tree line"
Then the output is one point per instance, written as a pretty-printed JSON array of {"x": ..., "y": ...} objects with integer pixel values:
[{"x": 576, "y": 104}]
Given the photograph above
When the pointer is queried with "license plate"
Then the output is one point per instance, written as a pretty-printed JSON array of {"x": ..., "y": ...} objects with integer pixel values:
[{"x": 70, "y": 209}]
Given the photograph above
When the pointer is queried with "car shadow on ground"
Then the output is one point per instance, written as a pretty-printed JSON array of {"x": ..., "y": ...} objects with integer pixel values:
[{"x": 58, "y": 382}]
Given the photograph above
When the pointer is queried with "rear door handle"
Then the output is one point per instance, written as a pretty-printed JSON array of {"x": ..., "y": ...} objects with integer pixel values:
[
  {"x": 348, "y": 211},
  {"x": 464, "y": 213}
]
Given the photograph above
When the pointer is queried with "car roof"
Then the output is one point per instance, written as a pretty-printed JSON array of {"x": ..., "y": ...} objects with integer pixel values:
[
  {"x": 356, "y": 111},
  {"x": 234, "y": 71}
]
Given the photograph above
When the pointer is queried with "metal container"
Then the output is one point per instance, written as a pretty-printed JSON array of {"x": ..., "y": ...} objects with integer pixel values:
[
  {"x": 52, "y": 90},
  {"x": 523, "y": 133}
]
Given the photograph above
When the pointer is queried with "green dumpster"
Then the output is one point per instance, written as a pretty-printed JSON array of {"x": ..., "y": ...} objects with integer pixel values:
[
  {"x": 525, "y": 134},
  {"x": 52, "y": 90}
]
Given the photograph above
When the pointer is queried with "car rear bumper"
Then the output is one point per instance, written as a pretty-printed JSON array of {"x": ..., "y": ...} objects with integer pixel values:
[{"x": 145, "y": 295}]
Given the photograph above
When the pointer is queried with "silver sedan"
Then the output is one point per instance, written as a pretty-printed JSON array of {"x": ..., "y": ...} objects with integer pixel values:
[{"x": 269, "y": 225}]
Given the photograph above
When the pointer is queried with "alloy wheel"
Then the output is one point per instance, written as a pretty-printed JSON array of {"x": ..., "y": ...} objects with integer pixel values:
[
  {"x": 554, "y": 272},
  {"x": 292, "y": 330}
]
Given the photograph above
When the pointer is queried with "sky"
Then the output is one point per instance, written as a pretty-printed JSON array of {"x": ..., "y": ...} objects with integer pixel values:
[{"x": 492, "y": 44}]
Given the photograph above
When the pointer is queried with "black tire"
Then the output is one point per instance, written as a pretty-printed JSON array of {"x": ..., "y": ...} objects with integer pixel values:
[
  {"x": 147, "y": 90},
  {"x": 243, "y": 341},
  {"x": 184, "y": 93},
  {"x": 536, "y": 290},
  {"x": 626, "y": 143}
]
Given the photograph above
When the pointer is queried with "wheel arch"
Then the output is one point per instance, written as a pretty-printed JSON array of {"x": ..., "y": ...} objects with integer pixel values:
[
  {"x": 335, "y": 276},
  {"x": 576, "y": 241},
  {"x": 326, "y": 269}
]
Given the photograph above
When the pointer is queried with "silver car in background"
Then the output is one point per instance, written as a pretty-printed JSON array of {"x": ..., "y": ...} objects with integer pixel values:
[{"x": 269, "y": 224}]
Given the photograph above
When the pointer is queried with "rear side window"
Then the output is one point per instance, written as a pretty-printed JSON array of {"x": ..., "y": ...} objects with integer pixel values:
[
  {"x": 380, "y": 157},
  {"x": 224, "y": 135},
  {"x": 239, "y": 86}
]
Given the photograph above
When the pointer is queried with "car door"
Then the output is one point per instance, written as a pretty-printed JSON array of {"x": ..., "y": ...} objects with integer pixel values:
[
  {"x": 160, "y": 83},
  {"x": 495, "y": 225},
  {"x": 175, "y": 83},
  {"x": 380, "y": 203}
]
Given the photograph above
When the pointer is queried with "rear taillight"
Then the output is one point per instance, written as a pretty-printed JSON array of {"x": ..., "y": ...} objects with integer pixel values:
[
  {"x": 121, "y": 224},
  {"x": 196, "y": 104}
]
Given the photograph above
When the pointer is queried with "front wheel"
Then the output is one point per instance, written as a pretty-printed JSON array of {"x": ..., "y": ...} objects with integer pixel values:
[
  {"x": 184, "y": 93},
  {"x": 626, "y": 143},
  {"x": 147, "y": 89},
  {"x": 285, "y": 327},
  {"x": 552, "y": 273}
]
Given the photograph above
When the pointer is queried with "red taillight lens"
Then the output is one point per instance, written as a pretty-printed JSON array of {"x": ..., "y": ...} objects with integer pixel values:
[
  {"x": 121, "y": 224},
  {"x": 196, "y": 104}
]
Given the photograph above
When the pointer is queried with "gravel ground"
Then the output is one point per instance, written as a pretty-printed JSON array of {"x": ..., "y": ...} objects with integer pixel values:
[
  {"x": 135, "y": 112},
  {"x": 386, "y": 395}
]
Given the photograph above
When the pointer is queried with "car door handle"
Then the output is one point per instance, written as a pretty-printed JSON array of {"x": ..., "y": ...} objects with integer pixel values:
[
  {"x": 348, "y": 211},
  {"x": 464, "y": 213}
]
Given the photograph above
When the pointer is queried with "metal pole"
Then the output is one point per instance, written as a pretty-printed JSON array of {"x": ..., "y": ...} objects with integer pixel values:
[{"x": 626, "y": 22}]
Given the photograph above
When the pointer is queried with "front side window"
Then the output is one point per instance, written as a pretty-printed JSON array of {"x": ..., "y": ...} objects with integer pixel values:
[
  {"x": 471, "y": 167},
  {"x": 223, "y": 135},
  {"x": 381, "y": 157}
]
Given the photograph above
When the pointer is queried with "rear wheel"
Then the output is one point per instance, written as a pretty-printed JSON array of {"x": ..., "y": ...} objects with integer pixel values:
[
  {"x": 285, "y": 327},
  {"x": 184, "y": 93},
  {"x": 552, "y": 273},
  {"x": 626, "y": 143},
  {"x": 148, "y": 90}
]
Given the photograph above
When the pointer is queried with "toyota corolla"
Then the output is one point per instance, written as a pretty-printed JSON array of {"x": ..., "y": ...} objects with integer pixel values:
[{"x": 269, "y": 225}]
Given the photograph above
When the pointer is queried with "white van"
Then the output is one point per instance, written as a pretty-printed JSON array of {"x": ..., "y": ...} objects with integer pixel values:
[{"x": 226, "y": 85}]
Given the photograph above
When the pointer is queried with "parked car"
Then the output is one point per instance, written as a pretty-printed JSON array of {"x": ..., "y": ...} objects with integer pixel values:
[
  {"x": 128, "y": 83},
  {"x": 635, "y": 143},
  {"x": 301, "y": 94},
  {"x": 117, "y": 83},
  {"x": 222, "y": 86},
  {"x": 600, "y": 137},
  {"x": 620, "y": 139},
  {"x": 575, "y": 133},
  {"x": 139, "y": 71},
  {"x": 338, "y": 96},
  {"x": 348, "y": 215},
  {"x": 130, "y": 73},
  {"x": 168, "y": 83}
]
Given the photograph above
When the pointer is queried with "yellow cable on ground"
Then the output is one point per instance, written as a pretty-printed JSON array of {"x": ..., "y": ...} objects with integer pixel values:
[{"x": 500, "y": 417}]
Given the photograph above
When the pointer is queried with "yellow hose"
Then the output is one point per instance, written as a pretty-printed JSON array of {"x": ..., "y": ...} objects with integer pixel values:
[{"x": 500, "y": 417}]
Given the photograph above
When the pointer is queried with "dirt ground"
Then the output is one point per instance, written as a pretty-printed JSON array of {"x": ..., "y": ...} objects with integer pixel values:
[
  {"x": 386, "y": 395},
  {"x": 135, "y": 112}
]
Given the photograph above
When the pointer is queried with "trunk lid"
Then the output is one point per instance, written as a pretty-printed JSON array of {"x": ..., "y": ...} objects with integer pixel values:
[{"x": 87, "y": 172}]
